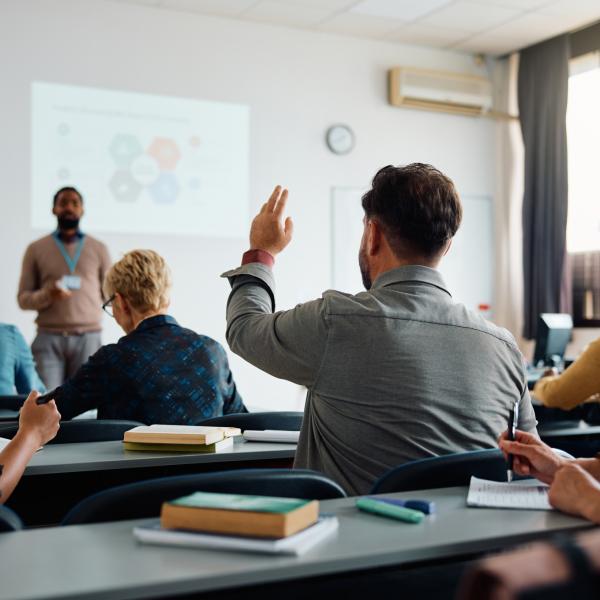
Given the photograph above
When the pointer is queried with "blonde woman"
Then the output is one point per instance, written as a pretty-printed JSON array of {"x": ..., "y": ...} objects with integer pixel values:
[{"x": 159, "y": 372}]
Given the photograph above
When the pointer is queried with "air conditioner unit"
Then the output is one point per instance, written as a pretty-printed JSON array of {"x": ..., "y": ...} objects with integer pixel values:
[{"x": 437, "y": 90}]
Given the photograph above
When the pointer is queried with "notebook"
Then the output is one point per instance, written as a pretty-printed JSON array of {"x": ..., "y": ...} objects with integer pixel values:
[
  {"x": 530, "y": 494},
  {"x": 179, "y": 434},
  {"x": 271, "y": 435},
  {"x": 296, "y": 544}
]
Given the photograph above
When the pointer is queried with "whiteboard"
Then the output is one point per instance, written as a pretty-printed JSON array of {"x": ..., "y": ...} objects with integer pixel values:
[{"x": 467, "y": 269}]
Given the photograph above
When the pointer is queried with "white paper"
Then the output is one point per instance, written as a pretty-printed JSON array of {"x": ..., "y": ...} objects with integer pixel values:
[
  {"x": 530, "y": 494},
  {"x": 296, "y": 544},
  {"x": 271, "y": 435}
]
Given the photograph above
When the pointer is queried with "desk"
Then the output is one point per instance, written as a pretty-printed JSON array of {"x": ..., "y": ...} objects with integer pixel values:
[
  {"x": 103, "y": 560},
  {"x": 60, "y": 475}
]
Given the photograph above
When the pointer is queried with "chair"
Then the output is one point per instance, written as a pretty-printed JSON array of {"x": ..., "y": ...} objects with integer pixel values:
[
  {"x": 581, "y": 442},
  {"x": 9, "y": 520},
  {"x": 286, "y": 420},
  {"x": 443, "y": 471},
  {"x": 89, "y": 430},
  {"x": 12, "y": 401},
  {"x": 144, "y": 499}
]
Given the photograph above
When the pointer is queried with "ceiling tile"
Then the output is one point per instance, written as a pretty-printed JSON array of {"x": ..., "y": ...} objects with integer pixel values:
[
  {"x": 531, "y": 27},
  {"x": 470, "y": 16},
  {"x": 269, "y": 11},
  {"x": 209, "y": 7},
  {"x": 333, "y": 5},
  {"x": 523, "y": 5},
  {"x": 360, "y": 25},
  {"x": 407, "y": 10},
  {"x": 423, "y": 35}
]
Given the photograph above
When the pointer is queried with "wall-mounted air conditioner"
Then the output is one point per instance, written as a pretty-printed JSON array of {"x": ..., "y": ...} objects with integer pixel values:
[{"x": 437, "y": 90}]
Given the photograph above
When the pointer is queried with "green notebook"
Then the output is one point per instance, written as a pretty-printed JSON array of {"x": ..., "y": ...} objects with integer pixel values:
[{"x": 266, "y": 504}]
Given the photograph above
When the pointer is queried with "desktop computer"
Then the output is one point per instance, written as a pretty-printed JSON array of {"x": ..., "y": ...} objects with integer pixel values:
[{"x": 553, "y": 334}]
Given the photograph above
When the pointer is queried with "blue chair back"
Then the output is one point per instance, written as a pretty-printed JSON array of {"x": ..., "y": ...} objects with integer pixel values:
[
  {"x": 286, "y": 420},
  {"x": 84, "y": 430},
  {"x": 443, "y": 471},
  {"x": 9, "y": 520},
  {"x": 144, "y": 499}
]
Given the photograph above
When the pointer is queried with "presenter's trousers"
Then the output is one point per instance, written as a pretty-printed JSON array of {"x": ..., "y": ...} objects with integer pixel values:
[{"x": 59, "y": 355}]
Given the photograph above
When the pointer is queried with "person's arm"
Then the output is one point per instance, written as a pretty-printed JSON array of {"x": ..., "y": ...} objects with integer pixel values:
[
  {"x": 289, "y": 344},
  {"x": 527, "y": 419},
  {"x": 30, "y": 296},
  {"x": 88, "y": 387},
  {"x": 38, "y": 424},
  {"x": 576, "y": 492},
  {"x": 580, "y": 381},
  {"x": 26, "y": 376}
]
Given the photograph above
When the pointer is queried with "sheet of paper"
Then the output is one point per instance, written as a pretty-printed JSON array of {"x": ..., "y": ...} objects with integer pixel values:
[{"x": 494, "y": 494}]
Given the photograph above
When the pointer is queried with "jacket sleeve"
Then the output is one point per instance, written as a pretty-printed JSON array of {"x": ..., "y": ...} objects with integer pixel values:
[{"x": 287, "y": 344}]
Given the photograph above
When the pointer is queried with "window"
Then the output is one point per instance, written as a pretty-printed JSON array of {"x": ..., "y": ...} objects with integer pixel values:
[{"x": 583, "y": 226}]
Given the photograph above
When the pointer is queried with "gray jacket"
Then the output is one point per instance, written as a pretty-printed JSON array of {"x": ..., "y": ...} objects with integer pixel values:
[{"x": 395, "y": 374}]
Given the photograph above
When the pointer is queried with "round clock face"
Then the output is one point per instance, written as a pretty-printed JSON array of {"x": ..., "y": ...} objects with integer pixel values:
[{"x": 340, "y": 139}]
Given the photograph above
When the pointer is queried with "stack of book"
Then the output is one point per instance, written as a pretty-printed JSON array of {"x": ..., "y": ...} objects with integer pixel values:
[
  {"x": 180, "y": 438},
  {"x": 226, "y": 521}
]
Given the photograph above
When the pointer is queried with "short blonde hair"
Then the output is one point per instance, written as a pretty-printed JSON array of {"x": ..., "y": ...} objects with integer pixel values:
[{"x": 141, "y": 276}]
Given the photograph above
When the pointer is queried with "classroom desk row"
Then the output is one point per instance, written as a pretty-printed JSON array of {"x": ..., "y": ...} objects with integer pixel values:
[
  {"x": 104, "y": 560},
  {"x": 60, "y": 475}
]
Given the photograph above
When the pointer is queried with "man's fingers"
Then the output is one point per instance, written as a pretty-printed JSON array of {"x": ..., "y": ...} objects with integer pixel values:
[
  {"x": 280, "y": 205},
  {"x": 289, "y": 228},
  {"x": 272, "y": 201},
  {"x": 518, "y": 448}
]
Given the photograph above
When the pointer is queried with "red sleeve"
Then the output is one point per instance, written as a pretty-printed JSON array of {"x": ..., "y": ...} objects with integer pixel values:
[{"x": 259, "y": 256}]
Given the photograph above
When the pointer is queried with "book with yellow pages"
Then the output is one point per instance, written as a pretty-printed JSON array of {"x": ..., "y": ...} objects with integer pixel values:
[
  {"x": 257, "y": 516},
  {"x": 179, "y": 434},
  {"x": 222, "y": 446}
]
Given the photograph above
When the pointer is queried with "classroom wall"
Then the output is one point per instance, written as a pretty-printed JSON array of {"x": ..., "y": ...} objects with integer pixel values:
[{"x": 296, "y": 83}]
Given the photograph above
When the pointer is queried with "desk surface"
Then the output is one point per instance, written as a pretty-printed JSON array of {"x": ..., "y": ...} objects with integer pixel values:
[
  {"x": 101, "y": 456},
  {"x": 104, "y": 561}
]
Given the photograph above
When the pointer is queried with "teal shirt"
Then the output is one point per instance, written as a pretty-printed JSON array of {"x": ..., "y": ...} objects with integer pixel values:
[{"x": 17, "y": 367}]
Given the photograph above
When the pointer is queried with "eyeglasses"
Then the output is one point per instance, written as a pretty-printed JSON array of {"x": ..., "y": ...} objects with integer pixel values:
[{"x": 108, "y": 308}]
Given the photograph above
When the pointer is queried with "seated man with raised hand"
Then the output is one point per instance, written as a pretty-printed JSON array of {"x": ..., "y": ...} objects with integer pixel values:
[
  {"x": 38, "y": 424},
  {"x": 158, "y": 372},
  {"x": 574, "y": 484},
  {"x": 394, "y": 374}
]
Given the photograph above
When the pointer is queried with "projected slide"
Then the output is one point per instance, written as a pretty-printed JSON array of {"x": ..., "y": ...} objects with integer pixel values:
[{"x": 144, "y": 163}]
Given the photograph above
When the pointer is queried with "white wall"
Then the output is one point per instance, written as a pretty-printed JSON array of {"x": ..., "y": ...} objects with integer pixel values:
[{"x": 297, "y": 84}]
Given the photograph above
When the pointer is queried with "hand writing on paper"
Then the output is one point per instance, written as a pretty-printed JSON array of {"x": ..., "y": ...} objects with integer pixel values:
[{"x": 269, "y": 231}]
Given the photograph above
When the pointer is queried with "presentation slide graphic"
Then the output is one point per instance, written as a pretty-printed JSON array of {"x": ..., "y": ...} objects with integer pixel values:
[{"x": 144, "y": 163}]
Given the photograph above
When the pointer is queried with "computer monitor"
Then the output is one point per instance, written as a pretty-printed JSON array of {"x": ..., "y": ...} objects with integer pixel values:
[{"x": 553, "y": 335}]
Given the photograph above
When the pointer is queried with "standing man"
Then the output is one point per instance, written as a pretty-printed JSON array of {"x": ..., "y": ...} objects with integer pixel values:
[
  {"x": 398, "y": 372},
  {"x": 62, "y": 279}
]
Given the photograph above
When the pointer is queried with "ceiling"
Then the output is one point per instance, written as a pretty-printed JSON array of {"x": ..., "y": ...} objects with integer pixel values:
[{"x": 493, "y": 27}]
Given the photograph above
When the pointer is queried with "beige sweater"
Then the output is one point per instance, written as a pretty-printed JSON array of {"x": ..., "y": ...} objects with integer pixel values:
[
  {"x": 43, "y": 265},
  {"x": 578, "y": 383}
]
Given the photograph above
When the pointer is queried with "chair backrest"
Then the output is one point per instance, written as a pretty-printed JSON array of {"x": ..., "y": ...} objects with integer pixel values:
[
  {"x": 144, "y": 499},
  {"x": 286, "y": 420},
  {"x": 9, "y": 520},
  {"x": 12, "y": 401},
  {"x": 85, "y": 430},
  {"x": 443, "y": 471}
]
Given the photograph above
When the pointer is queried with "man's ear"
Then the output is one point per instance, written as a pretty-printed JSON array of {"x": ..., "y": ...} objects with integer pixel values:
[
  {"x": 447, "y": 247},
  {"x": 374, "y": 234},
  {"x": 54, "y": 210}
]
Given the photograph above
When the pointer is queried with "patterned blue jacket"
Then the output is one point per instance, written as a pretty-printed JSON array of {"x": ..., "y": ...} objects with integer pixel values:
[{"x": 159, "y": 373}]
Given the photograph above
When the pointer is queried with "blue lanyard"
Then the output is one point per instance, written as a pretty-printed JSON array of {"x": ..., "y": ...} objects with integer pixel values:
[{"x": 71, "y": 262}]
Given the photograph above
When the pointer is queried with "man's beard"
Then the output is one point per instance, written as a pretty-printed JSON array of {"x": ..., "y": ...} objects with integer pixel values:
[
  {"x": 364, "y": 269},
  {"x": 65, "y": 223}
]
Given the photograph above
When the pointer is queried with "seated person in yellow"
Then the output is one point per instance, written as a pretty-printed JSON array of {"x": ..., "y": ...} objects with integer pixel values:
[
  {"x": 578, "y": 383},
  {"x": 38, "y": 424}
]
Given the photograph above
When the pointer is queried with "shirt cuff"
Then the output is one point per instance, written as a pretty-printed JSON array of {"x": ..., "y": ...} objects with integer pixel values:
[{"x": 258, "y": 256}]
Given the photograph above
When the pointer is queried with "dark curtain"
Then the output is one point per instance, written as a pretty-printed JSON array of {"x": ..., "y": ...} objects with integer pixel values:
[{"x": 543, "y": 86}]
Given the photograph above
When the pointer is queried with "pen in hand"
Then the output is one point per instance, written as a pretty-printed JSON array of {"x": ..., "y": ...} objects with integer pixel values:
[
  {"x": 45, "y": 398},
  {"x": 512, "y": 431}
]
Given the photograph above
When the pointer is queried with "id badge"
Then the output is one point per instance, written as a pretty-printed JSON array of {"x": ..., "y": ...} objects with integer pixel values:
[{"x": 72, "y": 282}]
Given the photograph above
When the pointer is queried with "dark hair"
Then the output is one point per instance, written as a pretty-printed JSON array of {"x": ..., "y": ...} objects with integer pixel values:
[
  {"x": 417, "y": 207},
  {"x": 66, "y": 189}
]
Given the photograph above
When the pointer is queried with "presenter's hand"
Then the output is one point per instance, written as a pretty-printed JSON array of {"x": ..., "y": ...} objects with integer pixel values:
[
  {"x": 58, "y": 292},
  {"x": 269, "y": 231},
  {"x": 531, "y": 457},
  {"x": 576, "y": 492},
  {"x": 38, "y": 422}
]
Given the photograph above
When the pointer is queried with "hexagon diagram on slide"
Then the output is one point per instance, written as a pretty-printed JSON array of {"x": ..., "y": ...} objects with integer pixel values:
[
  {"x": 166, "y": 152},
  {"x": 165, "y": 189},
  {"x": 124, "y": 148},
  {"x": 124, "y": 187}
]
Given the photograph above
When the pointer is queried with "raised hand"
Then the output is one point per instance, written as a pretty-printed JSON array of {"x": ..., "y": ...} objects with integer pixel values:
[{"x": 269, "y": 231}]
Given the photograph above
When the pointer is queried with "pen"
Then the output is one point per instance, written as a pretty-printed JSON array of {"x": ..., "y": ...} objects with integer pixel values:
[
  {"x": 45, "y": 398},
  {"x": 512, "y": 430}
]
